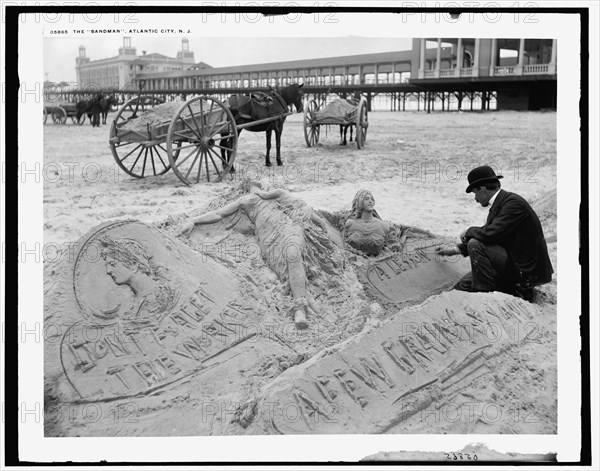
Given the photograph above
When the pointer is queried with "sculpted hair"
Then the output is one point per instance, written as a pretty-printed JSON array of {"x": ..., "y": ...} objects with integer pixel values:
[
  {"x": 358, "y": 203},
  {"x": 127, "y": 251},
  {"x": 249, "y": 183}
]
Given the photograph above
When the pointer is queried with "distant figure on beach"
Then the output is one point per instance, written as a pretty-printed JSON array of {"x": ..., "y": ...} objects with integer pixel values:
[
  {"x": 291, "y": 237},
  {"x": 509, "y": 252},
  {"x": 364, "y": 230},
  {"x": 96, "y": 109}
]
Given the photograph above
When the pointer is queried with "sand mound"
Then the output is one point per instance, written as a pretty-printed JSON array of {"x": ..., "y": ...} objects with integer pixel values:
[
  {"x": 545, "y": 207},
  {"x": 403, "y": 370},
  {"x": 202, "y": 329},
  {"x": 159, "y": 114}
]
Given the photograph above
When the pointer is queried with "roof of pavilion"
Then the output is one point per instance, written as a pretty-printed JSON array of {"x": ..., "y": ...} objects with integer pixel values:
[{"x": 326, "y": 62}]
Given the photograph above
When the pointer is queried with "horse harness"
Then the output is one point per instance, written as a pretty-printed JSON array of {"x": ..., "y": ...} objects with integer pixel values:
[{"x": 242, "y": 105}]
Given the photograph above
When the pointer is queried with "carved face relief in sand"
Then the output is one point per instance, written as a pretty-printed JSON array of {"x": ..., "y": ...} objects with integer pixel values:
[{"x": 146, "y": 313}]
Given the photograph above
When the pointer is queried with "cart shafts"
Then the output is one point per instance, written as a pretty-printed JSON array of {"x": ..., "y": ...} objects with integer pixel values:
[{"x": 262, "y": 121}]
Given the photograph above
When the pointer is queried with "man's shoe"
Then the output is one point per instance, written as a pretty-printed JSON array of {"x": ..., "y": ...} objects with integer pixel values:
[{"x": 524, "y": 293}]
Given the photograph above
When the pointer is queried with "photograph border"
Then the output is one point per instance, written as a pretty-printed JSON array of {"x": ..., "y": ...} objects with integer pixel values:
[{"x": 11, "y": 361}]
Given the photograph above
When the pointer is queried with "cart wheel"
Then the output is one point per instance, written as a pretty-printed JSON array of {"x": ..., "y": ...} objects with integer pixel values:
[
  {"x": 311, "y": 129},
  {"x": 362, "y": 123},
  {"x": 202, "y": 128},
  {"x": 59, "y": 115},
  {"x": 146, "y": 158},
  {"x": 80, "y": 121},
  {"x": 45, "y": 115}
]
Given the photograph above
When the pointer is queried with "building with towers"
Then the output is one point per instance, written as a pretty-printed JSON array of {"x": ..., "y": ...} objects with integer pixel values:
[{"x": 120, "y": 72}]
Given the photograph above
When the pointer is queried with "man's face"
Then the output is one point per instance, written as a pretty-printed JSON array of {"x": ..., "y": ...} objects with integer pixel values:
[{"x": 482, "y": 195}]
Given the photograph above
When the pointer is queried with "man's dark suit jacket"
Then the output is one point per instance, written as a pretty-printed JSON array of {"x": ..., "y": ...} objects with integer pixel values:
[{"x": 513, "y": 224}]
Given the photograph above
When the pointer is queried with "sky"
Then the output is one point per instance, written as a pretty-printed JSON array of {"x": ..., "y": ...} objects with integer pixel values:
[{"x": 60, "y": 53}]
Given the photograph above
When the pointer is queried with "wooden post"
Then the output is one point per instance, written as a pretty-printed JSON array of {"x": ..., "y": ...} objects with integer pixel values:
[
  {"x": 459, "y": 57},
  {"x": 438, "y": 57},
  {"x": 493, "y": 58},
  {"x": 521, "y": 63},
  {"x": 552, "y": 65},
  {"x": 476, "y": 58},
  {"x": 422, "y": 59}
]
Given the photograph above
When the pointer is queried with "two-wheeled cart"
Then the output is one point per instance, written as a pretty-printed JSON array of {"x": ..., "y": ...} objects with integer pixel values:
[
  {"x": 59, "y": 112},
  {"x": 198, "y": 138},
  {"x": 337, "y": 111}
]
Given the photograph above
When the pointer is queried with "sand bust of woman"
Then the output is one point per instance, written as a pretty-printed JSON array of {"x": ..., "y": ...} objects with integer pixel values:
[{"x": 364, "y": 230}]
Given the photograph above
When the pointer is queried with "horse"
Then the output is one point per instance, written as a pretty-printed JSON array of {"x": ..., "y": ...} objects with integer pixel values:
[
  {"x": 83, "y": 107},
  {"x": 355, "y": 100},
  {"x": 106, "y": 105},
  {"x": 96, "y": 109},
  {"x": 248, "y": 108},
  {"x": 344, "y": 133},
  {"x": 93, "y": 108}
]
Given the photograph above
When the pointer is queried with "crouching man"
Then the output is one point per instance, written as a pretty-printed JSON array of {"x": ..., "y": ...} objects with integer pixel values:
[{"x": 509, "y": 252}]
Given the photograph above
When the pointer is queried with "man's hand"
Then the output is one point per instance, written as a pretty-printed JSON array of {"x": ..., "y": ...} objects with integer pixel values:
[
  {"x": 186, "y": 230},
  {"x": 445, "y": 252}
]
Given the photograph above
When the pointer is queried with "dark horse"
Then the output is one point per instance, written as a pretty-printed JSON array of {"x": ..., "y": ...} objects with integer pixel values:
[
  {"x": 92, "y": 108},
  {"x": 97, "y": 107},
  {"x": 106, "y": 105},
  {"x": 276, "y": 102},
  {"x": 344, "y": 133},
  {"x": 83, "y": 107},
  {"x": 355, "y": 100}
]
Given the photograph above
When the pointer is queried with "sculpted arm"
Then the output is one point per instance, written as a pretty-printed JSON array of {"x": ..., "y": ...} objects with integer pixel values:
[
  {"x": 272, "y": 194},
  {"x": 210, "y": 218},
  {"x": 386, "y": 227},
  {"x": 318, "y": 220},
  {"x": 347, "y": 229}
]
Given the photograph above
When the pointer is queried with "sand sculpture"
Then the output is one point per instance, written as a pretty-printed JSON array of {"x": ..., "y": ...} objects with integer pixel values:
[
  {"x": 364, "y": 230},
  {"x": 285, "y": 228},
  {"x": 379, "y": 379},
  {"x": 172, "y": 324},
  {"x": 139, "y": 315}
]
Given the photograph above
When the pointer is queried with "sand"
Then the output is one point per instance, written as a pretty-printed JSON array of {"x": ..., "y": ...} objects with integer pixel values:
[{"x": 415, "y": 164}]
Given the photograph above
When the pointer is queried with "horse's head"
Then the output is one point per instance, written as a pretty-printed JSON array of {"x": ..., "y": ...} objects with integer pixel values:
[{"x": 292, "y": 94}]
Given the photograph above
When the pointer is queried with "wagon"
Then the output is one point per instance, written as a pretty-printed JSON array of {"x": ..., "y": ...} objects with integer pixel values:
[
  {"x": 59, "y": 112},
  {"x": 335, "y": 111},
  {"x": 197, "y": 139}
]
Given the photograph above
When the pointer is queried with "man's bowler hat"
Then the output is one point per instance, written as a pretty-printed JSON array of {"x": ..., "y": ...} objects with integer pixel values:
[{"x": 481, "y": 175}]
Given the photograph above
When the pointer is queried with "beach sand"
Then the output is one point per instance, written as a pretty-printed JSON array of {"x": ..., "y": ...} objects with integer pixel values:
[{"x": 416, "y": 166}]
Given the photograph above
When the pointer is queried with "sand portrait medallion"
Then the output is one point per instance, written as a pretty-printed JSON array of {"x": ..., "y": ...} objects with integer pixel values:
[{"x": 148, "y": 317}]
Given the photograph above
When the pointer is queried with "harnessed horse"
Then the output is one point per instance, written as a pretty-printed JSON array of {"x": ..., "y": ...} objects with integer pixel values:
[{"x": 275, "y": 103}]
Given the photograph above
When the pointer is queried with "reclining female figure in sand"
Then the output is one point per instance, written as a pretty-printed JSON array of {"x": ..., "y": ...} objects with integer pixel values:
[{"x": 291, "y": 237}]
